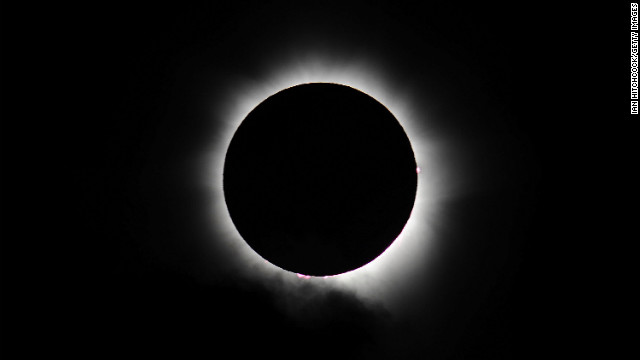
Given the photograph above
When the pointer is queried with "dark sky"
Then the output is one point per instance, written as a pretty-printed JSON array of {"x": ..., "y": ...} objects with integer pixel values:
[{"x": 107, "y": 220}]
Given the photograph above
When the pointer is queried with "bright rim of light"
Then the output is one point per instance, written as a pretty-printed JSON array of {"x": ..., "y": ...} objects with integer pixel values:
[{"x": 384, "y": 278}]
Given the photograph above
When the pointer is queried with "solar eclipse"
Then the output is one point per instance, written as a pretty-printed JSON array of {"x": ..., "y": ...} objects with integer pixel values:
[{"x": 436, "y": 155}]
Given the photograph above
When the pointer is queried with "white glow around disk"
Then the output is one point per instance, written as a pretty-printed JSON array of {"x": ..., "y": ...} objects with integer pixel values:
[{"x": 386, "y": 278}]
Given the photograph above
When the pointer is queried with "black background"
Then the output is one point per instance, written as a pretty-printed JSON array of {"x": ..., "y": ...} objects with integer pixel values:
[{"x": 102, "y": 221}]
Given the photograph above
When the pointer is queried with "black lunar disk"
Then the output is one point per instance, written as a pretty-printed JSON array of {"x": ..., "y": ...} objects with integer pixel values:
[{"x": 320, "y": 179}]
